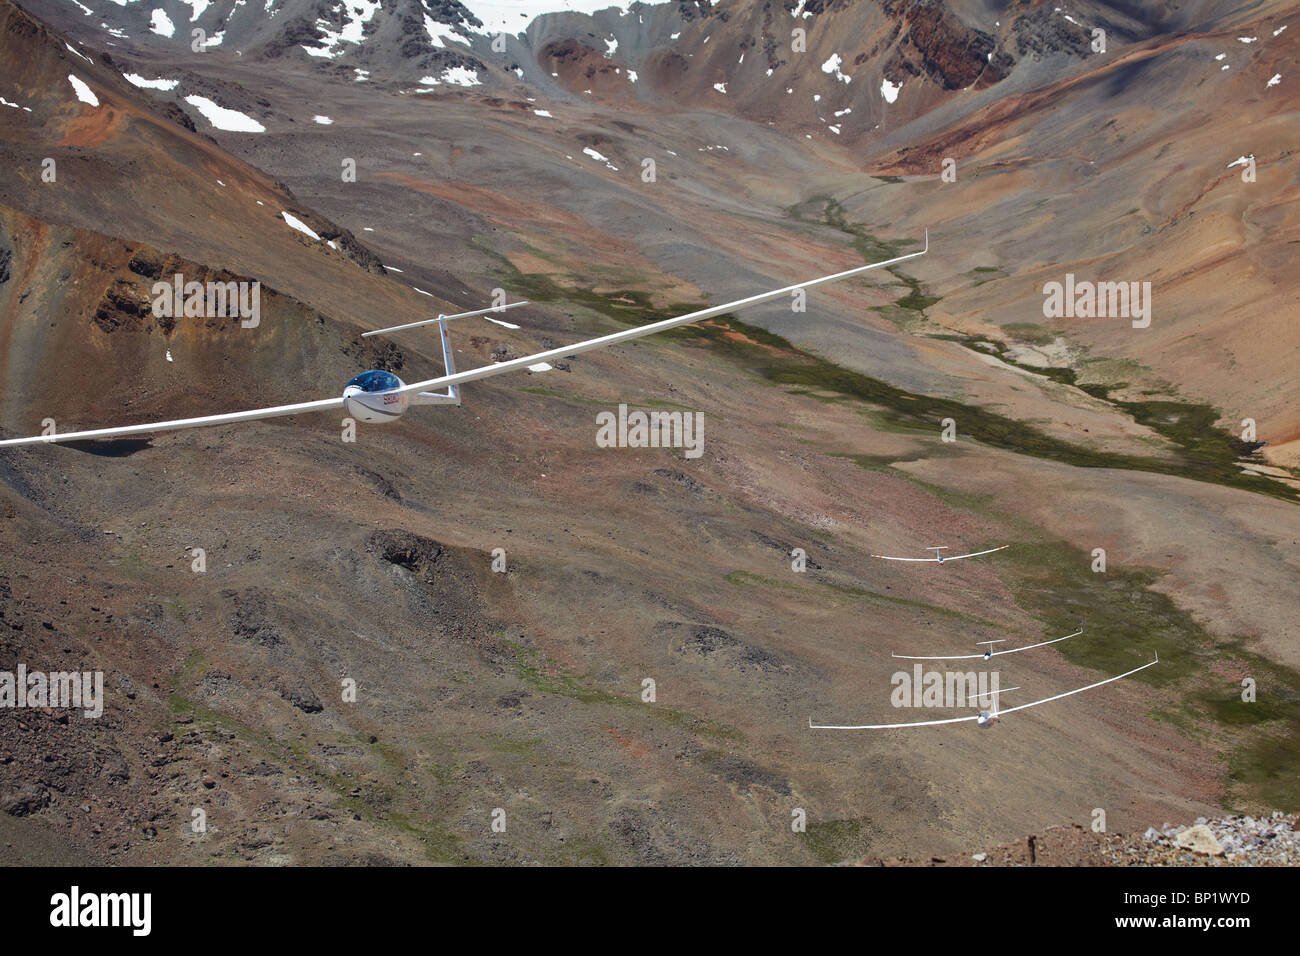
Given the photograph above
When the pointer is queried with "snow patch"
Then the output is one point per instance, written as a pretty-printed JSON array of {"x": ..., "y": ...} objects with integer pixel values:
[
  {"x": 356, "y": 13},
  {"x": 323, "y": 120},
  {"x": 599, "y": 158},
  {"x": 84, "y": 92},
  {"x": 833, "y": 66},
  {"x": 231, "y": 121},
  {"x": 198, "y": 6},
  {"x": 889, "y": 90},
  {"x": 161, "y": 24},
  {"x": 296, "y": 223},
  {"x": 135, "y": 79},
  {"x": 455, "y": 75},
  {"x": 438, "y": 32},
  {"x": 513, "y": 16}
]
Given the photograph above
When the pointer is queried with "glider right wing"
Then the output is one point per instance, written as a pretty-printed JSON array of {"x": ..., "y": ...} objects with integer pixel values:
[{"x": 971, "y": 657}]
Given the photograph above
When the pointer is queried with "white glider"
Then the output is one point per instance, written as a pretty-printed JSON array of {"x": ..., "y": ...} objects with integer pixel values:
[
  {"x": 940, "y": 559},
  {"x": 378, "y": 396},
  {"x": 984, "y": 718},
  {"x": 989, "y": 653}
]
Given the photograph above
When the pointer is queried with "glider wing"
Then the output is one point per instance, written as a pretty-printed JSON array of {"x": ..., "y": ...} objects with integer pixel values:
[
  {"x": 971, "y": 657},
  {"x": 179, "y": 423},
  {"x": 641, "y": 331},
  {"x": 456, "y": 378}
]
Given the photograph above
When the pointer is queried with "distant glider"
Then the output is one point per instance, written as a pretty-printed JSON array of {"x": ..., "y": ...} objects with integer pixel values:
[
  {"x": 987, "y": 654},
  {"x": 984, "y": 718},
  {"x": 938, "y": 559},
  {"x": 379, "y": 396}
]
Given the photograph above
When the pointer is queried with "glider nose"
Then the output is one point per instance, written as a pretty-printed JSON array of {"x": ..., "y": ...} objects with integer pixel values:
[{"x": 372, "y": 397}]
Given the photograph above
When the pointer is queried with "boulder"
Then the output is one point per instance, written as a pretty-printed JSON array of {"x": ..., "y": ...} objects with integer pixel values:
[{"x": 1200, "y": 839}]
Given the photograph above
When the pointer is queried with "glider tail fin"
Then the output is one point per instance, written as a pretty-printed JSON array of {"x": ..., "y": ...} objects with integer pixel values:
[
  {"x": 453, "y": 390},
  {"x": 452, "y": 395}
]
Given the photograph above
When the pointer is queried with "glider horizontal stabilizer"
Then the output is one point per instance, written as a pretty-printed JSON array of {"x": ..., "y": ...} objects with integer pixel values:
[{"x": 443, "y": 318}]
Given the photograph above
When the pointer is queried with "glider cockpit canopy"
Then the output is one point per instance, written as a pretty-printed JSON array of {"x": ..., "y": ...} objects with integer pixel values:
[{"x": 375, "y": 381}]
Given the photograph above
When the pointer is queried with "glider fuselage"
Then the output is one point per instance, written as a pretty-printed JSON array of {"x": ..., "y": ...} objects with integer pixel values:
[{"x": 373, "y": 397}]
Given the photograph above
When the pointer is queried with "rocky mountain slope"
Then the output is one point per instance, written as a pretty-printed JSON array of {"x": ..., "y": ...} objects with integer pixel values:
[
  {"x": 521, "y": 691},
  {"x": 1009, "y": 95},
  {"x": 1223, "y": 841},
  {"x": 652, "y": 52}
]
